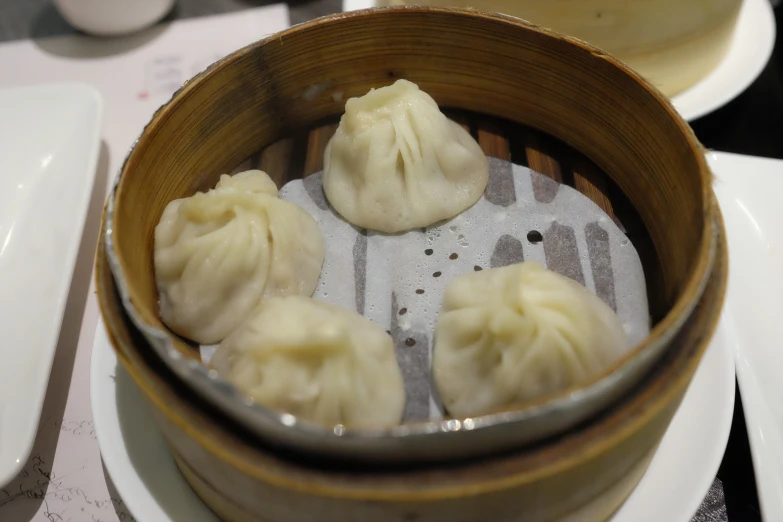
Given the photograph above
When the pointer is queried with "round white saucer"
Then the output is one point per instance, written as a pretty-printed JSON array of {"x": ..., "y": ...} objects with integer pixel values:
[
  {"x": 150, "y": 484},
  {"x": 751, "y": 48},
  {"x": 754, "y": 39}
]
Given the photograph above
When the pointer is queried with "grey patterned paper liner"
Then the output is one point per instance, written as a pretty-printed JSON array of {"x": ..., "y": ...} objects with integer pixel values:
[{"x": 398, "y": 280}]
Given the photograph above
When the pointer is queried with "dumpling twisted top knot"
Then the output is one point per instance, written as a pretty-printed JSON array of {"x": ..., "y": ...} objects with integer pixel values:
[
  {"x": 317, "y": 361},
  {"x": 518, "y": 333},
  {"x": 397, "y": 163},
  {"x": 219, "y": 253},
  {"x": 255, "y": 181}
]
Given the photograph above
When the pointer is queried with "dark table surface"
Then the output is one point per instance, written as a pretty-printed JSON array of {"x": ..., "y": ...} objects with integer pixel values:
[{"x": 751, "y": 124}]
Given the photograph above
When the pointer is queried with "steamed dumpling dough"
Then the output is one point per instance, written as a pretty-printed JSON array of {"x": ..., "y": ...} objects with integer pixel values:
[
  {"x": 217, "y": 254},
  {"x": 256, "y": 181},
  {"x": 518, "y": 333},
  {"x": 397, "y": 163},
  {"x": 314, "y": 360}
]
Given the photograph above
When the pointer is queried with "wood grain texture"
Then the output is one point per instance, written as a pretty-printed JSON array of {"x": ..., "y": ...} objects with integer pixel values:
[
  {"x": 493, "y": 139},
  {"x": 542, "y": 156},
  {"x": 317, "y": 140},
  {"x": 275, "y": 160},
  {"x": 591, "y": 182}
]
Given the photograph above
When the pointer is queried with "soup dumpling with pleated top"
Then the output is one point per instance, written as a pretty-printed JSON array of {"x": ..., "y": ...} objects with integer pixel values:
[
  {"x": 219, "y": 253},
  {"x": 317, "y": 361},
  {"x": 396, "y": 162},
  {"x": 515, "y": 334}
]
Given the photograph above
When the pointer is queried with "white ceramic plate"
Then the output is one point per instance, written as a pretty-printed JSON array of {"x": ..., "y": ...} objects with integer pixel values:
[
  {"x": 754, "y": 39},
  {"x": 749, "y": 191},
  {"x": 150, "y": 484},
  {"x": 132, "y": 449},
  {"x": 49, "y": 144}
]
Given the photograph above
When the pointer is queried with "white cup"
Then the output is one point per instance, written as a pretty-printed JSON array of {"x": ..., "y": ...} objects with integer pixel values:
[{"x": 113, "y": 17}]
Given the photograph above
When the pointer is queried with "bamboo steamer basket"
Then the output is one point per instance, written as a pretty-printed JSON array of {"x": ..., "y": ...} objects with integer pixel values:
[
  {"x": 582, "y": 476},
  {"x": 630, "y": 138}
]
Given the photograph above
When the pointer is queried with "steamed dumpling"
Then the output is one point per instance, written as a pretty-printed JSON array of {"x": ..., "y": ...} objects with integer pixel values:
[
  {"x": 518, "y": 333},
  {"x": 219, "y": 253},
  {"x": 316, "y": 361},
  {"x": 397, "y": 163}
]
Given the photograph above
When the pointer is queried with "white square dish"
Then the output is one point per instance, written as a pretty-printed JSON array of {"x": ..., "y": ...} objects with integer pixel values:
[
  {"x": 49, "y": 146},
  {"x": 749, "y": 190}
]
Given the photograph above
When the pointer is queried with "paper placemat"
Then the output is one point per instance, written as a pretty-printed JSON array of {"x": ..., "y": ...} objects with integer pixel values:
[{"x": 64, "y": 479}]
